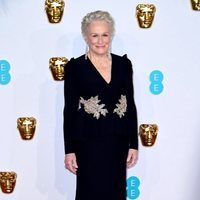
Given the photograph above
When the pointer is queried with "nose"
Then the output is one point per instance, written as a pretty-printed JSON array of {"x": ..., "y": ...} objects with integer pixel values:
[
  {"x": 100, "y": 40},
  {"x": 56, "y": 11},
  {"x": 59, "y": 69},
  {"x": 147, "y": 16},
  {"x": 7, "y": 183},
  {"x": 149, "y": 135},
  {"x": 27, "y": 128}
]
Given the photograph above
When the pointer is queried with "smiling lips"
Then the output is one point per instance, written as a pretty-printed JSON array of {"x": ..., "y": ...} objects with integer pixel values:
[
  {"x": 100, "y": 46},
  {"x": 147, "y": 22}
]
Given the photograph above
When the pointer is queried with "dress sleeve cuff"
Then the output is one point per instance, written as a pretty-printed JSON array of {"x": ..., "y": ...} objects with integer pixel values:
[
  {"x": 70, "y": 147},
  {"x": 133, "y": 144}
]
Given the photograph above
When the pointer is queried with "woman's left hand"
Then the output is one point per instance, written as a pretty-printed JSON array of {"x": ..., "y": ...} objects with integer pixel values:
[{"x": 132, "y": 158}]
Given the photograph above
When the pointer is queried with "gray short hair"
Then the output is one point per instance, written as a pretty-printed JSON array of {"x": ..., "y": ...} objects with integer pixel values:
[{"x": 98, "y": 15}]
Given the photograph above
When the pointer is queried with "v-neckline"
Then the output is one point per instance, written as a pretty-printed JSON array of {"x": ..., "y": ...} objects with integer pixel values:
[{"x": 99, "y": 74}]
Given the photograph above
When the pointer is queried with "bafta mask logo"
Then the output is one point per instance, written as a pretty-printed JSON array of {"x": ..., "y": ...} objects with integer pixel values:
[
  {"x": 26, "y": 127},
  {"x": 54, "y": 10},
  {"x": 148, "y": 134},
  {"x": 145, "y": 15},
  {"x": 195, "y": 4},
  {"x": 57, "y": 67},
  {"x": 7, "y": 181}
]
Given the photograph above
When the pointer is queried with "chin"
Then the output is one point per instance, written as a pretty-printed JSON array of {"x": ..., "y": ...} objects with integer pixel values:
[
  {"x": 102, "y": 54},
  {"x": 102, "y": 51}
]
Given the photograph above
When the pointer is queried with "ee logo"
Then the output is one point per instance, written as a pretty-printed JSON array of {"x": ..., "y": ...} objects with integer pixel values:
[
  {"x": 156, "y": 78},
  {"x": 4, "y": 72},
  {"x": 133, "y": 184}
]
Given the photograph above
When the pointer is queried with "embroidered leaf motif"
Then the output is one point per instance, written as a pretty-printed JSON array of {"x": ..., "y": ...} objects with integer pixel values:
[
  {"x": 121, "y": 106},
  {"x": 93, "y": 106}
]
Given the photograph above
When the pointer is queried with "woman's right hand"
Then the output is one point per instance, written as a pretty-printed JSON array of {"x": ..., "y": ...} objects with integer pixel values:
[{"x": 70, "y": 162}]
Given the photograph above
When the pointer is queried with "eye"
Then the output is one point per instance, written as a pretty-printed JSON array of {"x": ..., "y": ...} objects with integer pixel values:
[
  {"x": 105, "y": 35},
  {"x": 94, "y": 35},
  {"x": 144, "y": 133}
]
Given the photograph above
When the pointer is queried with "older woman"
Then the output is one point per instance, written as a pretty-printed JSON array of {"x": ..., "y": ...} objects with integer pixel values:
[{"x": 100, "y": 119}]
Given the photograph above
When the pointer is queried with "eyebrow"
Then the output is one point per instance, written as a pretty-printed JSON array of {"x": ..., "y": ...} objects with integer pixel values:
[{"x": 102, "y": 33}]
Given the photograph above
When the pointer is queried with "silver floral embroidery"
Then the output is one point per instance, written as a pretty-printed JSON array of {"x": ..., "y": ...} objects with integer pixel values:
[
  {"x": 93, "y": 106},
  {"x": 121, "y": 106}
]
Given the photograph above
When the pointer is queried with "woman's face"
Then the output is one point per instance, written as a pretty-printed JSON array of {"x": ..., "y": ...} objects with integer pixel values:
[{"x": 98, "y": 37}]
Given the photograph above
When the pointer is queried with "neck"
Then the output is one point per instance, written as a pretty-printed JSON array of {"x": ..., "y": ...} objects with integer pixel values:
[{"x": 94, "y": 56}]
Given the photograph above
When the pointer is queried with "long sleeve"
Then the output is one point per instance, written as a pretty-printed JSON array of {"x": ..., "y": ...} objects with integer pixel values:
[
  {"x": 132, "y": 111},
  {"x": 71, "y": 99}
]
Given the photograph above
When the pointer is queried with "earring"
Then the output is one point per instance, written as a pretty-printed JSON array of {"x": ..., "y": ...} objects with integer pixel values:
[
  {"x": 109, "y": 52},
  {"x": 86, "y": 52}
]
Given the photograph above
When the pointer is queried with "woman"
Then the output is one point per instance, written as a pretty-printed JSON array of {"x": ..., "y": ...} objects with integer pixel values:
[{"x": 100, "y": 120}]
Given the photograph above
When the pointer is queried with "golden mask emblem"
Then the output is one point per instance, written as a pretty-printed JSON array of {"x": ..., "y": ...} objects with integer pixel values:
[
  {"x": 57, "y": 67},
  {"x": 145, "y": 15},
  {"x": 7, "y": 181},
  {"x": 26, "y": 127},
  {"x": 54, "y": 10},
  {"x": 148, "y": 134},
  {"x": 195, "y": 4}
]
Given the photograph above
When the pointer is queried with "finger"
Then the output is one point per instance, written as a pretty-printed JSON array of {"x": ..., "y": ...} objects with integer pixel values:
[
  {"x": 128, "y": 161},
  {"x": 129, "y": 165},
  {"x": 71, "y": 166},
  {"x": 72, "y": 169},
  {"x": 128, "y": 157},
  {"x": 68, "y": 165},
  {"x": 135, "y": 158},
  {"x": 75, "y": 163},
  {"x": 131, "y": 162}
]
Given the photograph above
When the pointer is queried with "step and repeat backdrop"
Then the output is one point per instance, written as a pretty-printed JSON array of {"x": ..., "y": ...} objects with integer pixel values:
[{"x": 161, "y": 38}]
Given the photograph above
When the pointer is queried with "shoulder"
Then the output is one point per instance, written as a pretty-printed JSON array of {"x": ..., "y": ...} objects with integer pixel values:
[
  {"x": 117, "y": 57},
  {"x": 80, "y": 59},
  {"x": 122, "y": 60},
  {"x": 75, "y": 63}
]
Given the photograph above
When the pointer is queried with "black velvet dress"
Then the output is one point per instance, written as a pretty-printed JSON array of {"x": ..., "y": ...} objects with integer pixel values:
[{"x": 100, "y": 125}]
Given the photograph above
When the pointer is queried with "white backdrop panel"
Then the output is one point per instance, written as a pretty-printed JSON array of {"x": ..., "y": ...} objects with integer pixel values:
[{"x": 169, "y": 169}]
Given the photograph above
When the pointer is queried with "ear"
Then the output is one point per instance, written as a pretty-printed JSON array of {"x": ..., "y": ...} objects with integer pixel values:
[{"x": 86, "y": 39}]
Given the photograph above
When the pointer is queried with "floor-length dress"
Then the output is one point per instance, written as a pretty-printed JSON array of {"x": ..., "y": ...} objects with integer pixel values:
[{"x": 100, "y": 125}]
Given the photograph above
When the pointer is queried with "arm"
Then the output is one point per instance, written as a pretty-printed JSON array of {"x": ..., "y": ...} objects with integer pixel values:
[
  {"x": 132, "y": 120},
  {"x": 71, "y": 99},
  {"x": 132, "y": 111}
]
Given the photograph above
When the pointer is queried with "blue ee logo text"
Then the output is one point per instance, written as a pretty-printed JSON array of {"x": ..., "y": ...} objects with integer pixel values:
[
  {"x": 156, "y": 78},
  {"x": 133, "y": 184},
  {"x": 4, "y": 72}
]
